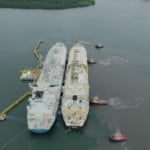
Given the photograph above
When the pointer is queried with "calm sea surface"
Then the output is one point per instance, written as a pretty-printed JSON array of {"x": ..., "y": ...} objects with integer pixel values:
[{"x": 122, "y": 72}]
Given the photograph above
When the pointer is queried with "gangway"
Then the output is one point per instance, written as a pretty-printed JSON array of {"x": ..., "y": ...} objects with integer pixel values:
[{"x": 13, "y": 104}]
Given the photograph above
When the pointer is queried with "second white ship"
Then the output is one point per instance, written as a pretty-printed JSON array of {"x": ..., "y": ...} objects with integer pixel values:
[
  {"x": 75, "y": 101},
  {"x": 44, "y": 103}
]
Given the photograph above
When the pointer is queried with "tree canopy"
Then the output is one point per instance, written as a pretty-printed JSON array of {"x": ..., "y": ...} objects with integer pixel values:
[{"x": 45, "y": 4}]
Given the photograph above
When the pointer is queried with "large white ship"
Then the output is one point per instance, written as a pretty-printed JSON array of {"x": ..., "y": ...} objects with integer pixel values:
[
  {"x": 75, "y": 101},
  {"x": 44, "y": 103}
]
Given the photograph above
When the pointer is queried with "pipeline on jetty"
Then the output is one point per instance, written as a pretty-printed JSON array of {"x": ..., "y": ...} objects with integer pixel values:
[
  {"x": 26, "y": 74},
  {"x": 30, "y": 74},
  {"x": 33, "y": 73},
  {"x": 36, "y": 53},
  {"x": 13, "y": 104}
]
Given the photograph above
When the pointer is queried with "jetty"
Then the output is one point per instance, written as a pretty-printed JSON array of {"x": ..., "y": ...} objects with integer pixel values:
[
  {"x": 36, "y": 53},
  {"x": 13, "y": 104},
  {"x": 28, "y": 74},
  {"x": 33, "y": 73}
]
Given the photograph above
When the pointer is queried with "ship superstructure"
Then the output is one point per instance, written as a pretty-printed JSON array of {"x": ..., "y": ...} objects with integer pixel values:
[
  {"x": 44, "y": 103},
  {"x": 75, "y": 101}
]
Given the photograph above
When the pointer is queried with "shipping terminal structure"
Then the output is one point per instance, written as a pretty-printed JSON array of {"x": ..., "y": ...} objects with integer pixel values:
[
  {"x": 44, "y": 101},
  {"x": 75, "y": 101}
]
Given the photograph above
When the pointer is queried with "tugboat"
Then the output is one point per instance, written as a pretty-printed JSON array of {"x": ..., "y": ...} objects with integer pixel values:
[
  {"x": 99, "y": 46},
  {"x": 91, "y": 61},
  {"x": 97, "y": 100},
  {"x": 117, "y": 137}
]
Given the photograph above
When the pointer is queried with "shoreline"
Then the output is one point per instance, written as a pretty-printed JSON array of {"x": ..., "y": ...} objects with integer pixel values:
[{"x": 44, "y": 5}]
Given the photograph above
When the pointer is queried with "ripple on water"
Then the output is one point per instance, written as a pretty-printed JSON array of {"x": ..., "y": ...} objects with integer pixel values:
[
  {"x": 125, "y": 103},
  {"x": 113, "y": 60}
]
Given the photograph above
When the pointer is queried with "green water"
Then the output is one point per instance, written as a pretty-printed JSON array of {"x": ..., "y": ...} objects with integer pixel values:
[{"x": 122, "y": 72}]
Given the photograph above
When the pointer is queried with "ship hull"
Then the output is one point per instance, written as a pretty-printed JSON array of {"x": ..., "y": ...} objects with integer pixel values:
[
  {"x": 75, "y": 101},
  {"x": 43, "y": 105},
  {"x": 39, "y": 130}
]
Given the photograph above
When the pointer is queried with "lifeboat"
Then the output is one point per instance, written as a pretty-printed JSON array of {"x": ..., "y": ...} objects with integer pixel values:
[
  {"x": 117, "y": 137},
  {"x": 97, "y": 100},
  {"x": 91, "y": 61}
]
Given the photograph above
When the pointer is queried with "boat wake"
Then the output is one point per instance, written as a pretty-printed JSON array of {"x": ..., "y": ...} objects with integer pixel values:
[
  {"x": 30, "y": 147},
  {"x": 123, "y": 146},
  {"x": 119, "y": 103},
  {"x": 113, "y": 60},
  {"x": 85, "y": 42}
]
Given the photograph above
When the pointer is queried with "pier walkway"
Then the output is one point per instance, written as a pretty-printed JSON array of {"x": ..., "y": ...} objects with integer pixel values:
[
  {"x": 13, "y": 104},
  {"x": 33, "y": 73},
  {"x": 36, "y": 53}
]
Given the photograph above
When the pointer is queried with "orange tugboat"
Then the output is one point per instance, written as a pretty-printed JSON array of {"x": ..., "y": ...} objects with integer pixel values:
[
  {"x": 117, "y": 137},
  {"x": 97, "y": 100},
  {"x": 91, "y": 61}
]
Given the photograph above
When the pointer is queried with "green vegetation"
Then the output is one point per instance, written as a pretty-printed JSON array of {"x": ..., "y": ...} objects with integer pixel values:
[{"x": 45, "y": 4}]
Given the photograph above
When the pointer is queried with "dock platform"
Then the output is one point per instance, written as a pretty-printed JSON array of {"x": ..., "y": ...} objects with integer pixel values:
[
  {"x": 33, "y": 73},
  {"x": 30, "y": 74}
]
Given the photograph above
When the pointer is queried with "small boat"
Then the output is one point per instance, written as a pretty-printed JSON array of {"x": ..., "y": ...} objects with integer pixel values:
[
  {"x": 117, "y": 137},
  {"x": 91, "y": 61},
  {"x": 99, "y": 46},
  {"x": 97, "y": 100}
]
